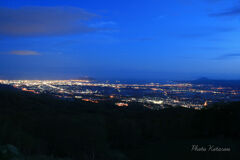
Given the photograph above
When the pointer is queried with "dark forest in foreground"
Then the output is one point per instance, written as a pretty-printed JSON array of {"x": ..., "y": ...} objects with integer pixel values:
[{"x": 41, "y": 127}]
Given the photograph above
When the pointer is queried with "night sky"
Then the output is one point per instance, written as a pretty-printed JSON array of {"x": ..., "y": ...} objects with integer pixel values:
[{"x": 125, "y": 39}]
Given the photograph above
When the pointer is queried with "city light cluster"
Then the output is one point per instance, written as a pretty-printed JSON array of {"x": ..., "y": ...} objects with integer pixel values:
[{"x": 151, "y": 95}]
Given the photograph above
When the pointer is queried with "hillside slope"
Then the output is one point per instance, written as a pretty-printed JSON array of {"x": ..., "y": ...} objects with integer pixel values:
[{"x": 43, "y": 127}]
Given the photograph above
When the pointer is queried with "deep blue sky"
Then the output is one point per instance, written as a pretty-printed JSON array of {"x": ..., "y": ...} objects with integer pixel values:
[{"x": 127, "y": 39}]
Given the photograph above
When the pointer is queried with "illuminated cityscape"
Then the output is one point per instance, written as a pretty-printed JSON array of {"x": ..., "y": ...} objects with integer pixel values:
[{"x": 151, "y": 95}]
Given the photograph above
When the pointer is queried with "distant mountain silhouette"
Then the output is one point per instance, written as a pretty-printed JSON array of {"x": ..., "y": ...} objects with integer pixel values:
[
  {"x": 204, "y": 80},
  {"x": 85, "y": 78}
]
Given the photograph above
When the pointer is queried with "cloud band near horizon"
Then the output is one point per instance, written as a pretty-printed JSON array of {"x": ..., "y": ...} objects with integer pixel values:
[{"x": 24, "y": 53}]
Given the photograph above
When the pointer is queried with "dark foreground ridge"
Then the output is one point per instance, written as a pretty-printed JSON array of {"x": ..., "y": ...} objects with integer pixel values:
[{"x": 41, "y": 127}]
